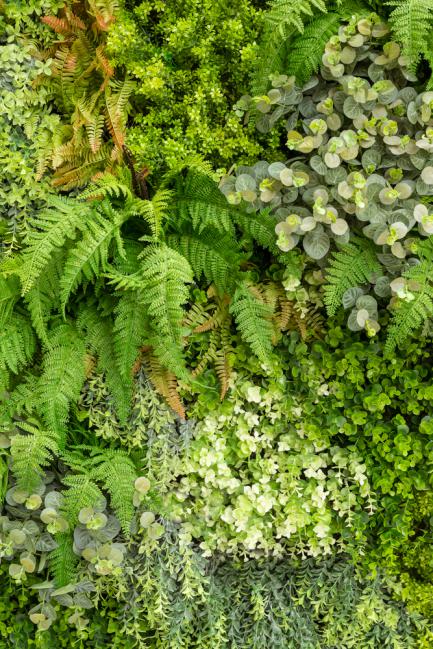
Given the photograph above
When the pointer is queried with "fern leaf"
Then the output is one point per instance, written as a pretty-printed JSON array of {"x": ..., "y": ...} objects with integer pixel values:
[
  {"x": 89, "y": 258},
  {"x": 130, "y": 329},
  {"x": 48, "y": 234},
  {"x": 411, "y": 22},
  {"x": 42, "y": 298},
  {"x": 409, "y": 315},
  {"x": 17, "y": 344},
  {"x": 63, "y": 560},
  {"x": 82, "y": 492},
  {"x": 354, "y": 265},
  {"x": 63, "y": 375},
  {"x": 259, "y": 227},
  {"x": 253, "y": 317},
  {"x": 154, "y": 211},
  {"x": 99, "y": 337},
  {"x": 306, "y": 50},
  {"x": 166, "y": 274},
  {"x": 165, "y": 383},
  {"x": 210, "y": 254},
  {"x": 283, "y": 20},
  {"x": 31, "y": 453}
]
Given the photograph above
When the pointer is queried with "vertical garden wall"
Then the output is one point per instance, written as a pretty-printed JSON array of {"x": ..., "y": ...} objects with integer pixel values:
[{"x": 216, "y": 302}]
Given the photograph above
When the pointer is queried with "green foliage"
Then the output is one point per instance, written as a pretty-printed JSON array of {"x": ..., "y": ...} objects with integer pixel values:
[
  {"x": 253, "y": 319},
  {"x": 63, "y": 560},
  {"x": 32, "y": 452},
  {"x": 354, "y": 265},
  {"x": 412, "y": 23},
  {"x": 190, "y": 69}
]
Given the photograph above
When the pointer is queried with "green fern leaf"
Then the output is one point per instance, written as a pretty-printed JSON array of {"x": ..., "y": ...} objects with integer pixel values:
[
  {"x": 48, "y": 233},
  {"x": 253, "y": 319},
  {"x": 89, "y": 258},
  {"x": 210, "y": 254},
  {"x": 17, "y": 343},
  {"x": 99, "y": 336},
  {"x": 411, "y": 22},
  {"x": 82, "y": 492},
  {"x": 284, "y": 19},
  {"x": 130, "y": 330},
  {"x": 354, "y": 265},
  {"x": 165, "y": 276},
  {"x": 306, "y": 50},
  {"x": 116, "y": 471},
  {"x": 63, "y": 560},
  {"x": 31, "y": 453},
  {"x": 63, "y": 375}
]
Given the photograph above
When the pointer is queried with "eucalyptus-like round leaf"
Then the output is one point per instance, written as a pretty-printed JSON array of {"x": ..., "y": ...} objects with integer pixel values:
[
  {"x": 427, "y": 175},
  {"x": 350, "y": 296},
  {"x": 245, "y": 182},
  {"x": 316, "y": 243}
]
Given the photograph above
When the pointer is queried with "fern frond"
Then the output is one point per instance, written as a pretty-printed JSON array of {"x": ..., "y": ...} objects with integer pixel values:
[
  {"x": 199, "y": 201},
  {"x": 283, "y": 20},
  {"x": 42, "y": 298},
  {"x": 210, "y": 254},
  {"x": 82, "y": 492},
  {"x": 31, "y": 453},
  {"x": 129, "y": 331},
  {"x": 89, "y": 258},
  {"x": 411, "y": 22},
  {"x": 165, "y": 278},
  {"x": 99, "y": 337},
  {"x": 306, "y": 50},
  {"x": 48, "y": 233},
  {"x": 63, "y": 375},
  {"x": 260, "y": 227},
  {"x": 253, "y": 319},
  {"x": 117, "y": 472},
  {"x": 154, "y": 211},
  {"x": 63, "y": 561},
  {"x": 109, "y": 185},
  {"x": 354, "y": 265},
  {"x": 17, "y": 343},
  {"x": 410, "y": 314},
  {"x": 165, "y": 383}
]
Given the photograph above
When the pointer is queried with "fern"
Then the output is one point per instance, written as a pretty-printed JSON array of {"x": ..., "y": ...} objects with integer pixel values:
[
  {"x": 409, "y": 315},
  {"x": 31, "y": 453},
  {"x": 48, "y": 233},
  {"x": 63, "y": 560},
  {"x": 165, "y": 383},
  {"x": 99, "y": 336},
  {"x": 210, "y": 254},
  {"x": 306, "y": 50},
  {"x": 283, "y": 20},
  {"x": 63, "y": 375},
  {"x": 253, "y": 320},
  {"x": 42, "y": 298},
  {"x": 166, "y": 275},
  {"x": 82, "y": 492},
  {"x": 117, "y": 473},
  {"x": 130, "y": 329},
  {"x": 411, "y": 22},
  {"x": 355, "y": 264},
  {"x": 17, "y": 343},
  {"x": 89, "y": 258}
]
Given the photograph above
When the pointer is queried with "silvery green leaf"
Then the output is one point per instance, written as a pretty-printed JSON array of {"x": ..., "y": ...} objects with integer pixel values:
[
  {"x": 352, "y": 322},
  {"x": 310, "y": 84},
  {"x": 82, "y": 537},
  {"x": 316, "y": 243},
  {"x": 263, "y": 124},
  {"x": 371, "y": 157},
  {"x": 351, "y": 108},
  {"x": 245, "y": 182},
  {"x": 64, "y": 590},
  {"x": 85, "y": 586},
  {"x": 82, "y": 601},
  {"x": 111, "y": 529},
  {"x": 53, "y": 499},
  {"x": 335, "y": 176},
  {"x": 43, "y": 585},
  {"x": 412, "y": 112},
  {"x": 350, "y": 296},
  {"x": 64, "y": 600},
  {"x": 339, "y": 98},
  {"x": 423, "y": 189},
  {"x": 31, "y": 528},
  {"x": 290, "y": 195},
  {"x": 45, "y": 543},
  {"x": 376, "y": 72},
  {"x": 381, "y": 287},
  {"x": 275, "y": 169},
  {"x": 391, "y": 263},
  {"x": 368, "y": 303},
  {"x": 373, "y": 213},
  {"x": 419, "y": 159},
  {"x": 342, "y": 238},
  {"x": 407, "y": 94},
  {"x": 318, "y": 165},
  {"x": 307, "y": 107},
  {"x": 292, "y": 120}
]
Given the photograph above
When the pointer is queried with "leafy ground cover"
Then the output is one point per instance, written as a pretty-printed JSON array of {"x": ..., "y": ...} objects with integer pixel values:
[{"x": 216, "y": 295}]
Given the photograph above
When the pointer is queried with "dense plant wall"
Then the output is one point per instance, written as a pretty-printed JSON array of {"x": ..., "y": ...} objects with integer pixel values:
[{"x": 216, "y": 295}]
